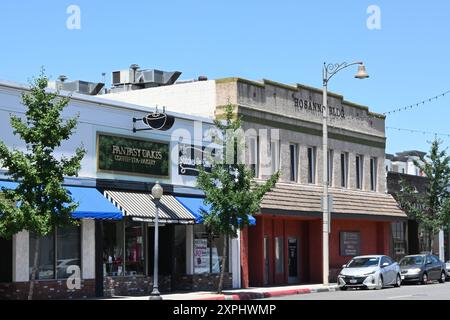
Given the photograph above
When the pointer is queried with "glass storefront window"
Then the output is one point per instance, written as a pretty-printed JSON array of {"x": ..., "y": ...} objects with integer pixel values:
[
  {"x": 68, "y": 250},
  {"x": 113, "y": 242},
  {"x": 180, "y": 249},
  {"x": 46, "y": 259},
  {"x": 67, "y": 242},
  {"x": 123, "y": 248},
  {"x": 208, "y": 251},
  {"x": 134, "y": 248},
  {"x": 279, "y": 255}
]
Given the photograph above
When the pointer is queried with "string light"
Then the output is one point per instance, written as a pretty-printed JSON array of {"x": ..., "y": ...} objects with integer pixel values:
[
  {"x": 420, "y": 131},
  {"x": 415, "y": 105}
]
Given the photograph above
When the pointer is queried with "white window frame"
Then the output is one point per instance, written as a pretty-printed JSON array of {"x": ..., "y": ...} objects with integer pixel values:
[{"x": 359, "y": 171}]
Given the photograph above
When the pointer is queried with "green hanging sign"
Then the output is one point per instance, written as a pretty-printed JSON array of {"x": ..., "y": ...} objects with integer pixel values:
[{"x": 124, "y": 155}]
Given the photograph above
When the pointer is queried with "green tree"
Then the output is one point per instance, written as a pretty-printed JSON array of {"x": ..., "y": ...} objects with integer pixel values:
[
  {"x": 230, "y": 188},
  {"x": 39, "y": 203},
  {"x": 431, "y": 208}
]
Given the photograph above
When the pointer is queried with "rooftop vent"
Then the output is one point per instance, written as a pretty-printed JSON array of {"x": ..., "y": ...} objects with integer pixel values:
[{"x": 134, "y": 78}]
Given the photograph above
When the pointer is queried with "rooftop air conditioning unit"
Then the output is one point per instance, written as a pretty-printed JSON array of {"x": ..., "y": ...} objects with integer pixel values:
[{"x": 121, "y": 77}]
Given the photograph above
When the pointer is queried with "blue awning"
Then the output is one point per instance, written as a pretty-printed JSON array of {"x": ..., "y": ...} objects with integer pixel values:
[
  {"x": 196, "y": 206},
  {"x": 92, "y": 204}
]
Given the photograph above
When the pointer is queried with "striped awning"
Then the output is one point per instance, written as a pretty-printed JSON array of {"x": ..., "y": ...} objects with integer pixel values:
[{"x": 140, "y": 206}]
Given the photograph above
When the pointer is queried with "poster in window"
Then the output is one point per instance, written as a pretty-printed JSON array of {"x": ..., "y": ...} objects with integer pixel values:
[
  {"x": 350, "y": 244},
  {"x": 201, "y": 256}
]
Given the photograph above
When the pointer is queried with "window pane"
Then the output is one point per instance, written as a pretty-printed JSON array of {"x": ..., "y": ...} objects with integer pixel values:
[
  {"x": 113, "y": 243},
  {"x": 293, "y": 156},
  {"x": 134, "y": 248},
  {"x": 344, "y": 170},
  {"x": 180, "y": 249},
  {"x": 279, "y": 255},
  {"x": 217, "y": 254},
  {"x": 46, "y": 260},
  {"x": 201, "y": 250},
  {"x": 311, "y": 165},
  {"x": 68, "y": 250}
]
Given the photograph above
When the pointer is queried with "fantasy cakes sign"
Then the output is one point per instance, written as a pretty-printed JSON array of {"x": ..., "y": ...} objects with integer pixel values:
[
  {"x": 132, "y": 156},
  {"x": 304, "y": 105}
]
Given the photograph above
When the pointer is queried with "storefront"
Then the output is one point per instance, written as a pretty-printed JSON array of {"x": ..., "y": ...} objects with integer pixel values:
[
  {"x": 285, "y": 246},
  {"x": 113, "y": 245}
]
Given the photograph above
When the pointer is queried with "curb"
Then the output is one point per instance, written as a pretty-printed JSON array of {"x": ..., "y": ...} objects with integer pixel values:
[{"x": 266, "y": 294}]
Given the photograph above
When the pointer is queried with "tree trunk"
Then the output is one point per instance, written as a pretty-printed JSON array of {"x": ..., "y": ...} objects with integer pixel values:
[
  {"x": 431, "y": 241},
  {"x": 35, "y": 267},
  {"x": 224, "y": 260}
]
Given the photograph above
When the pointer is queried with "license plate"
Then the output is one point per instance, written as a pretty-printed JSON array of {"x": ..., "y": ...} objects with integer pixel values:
[{"x": 353, "y": 281}]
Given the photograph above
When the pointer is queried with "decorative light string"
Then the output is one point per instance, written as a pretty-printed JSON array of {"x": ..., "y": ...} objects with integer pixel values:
[
  {"x": 420, "y": 131},
  {"x": 415, "y": 105}
]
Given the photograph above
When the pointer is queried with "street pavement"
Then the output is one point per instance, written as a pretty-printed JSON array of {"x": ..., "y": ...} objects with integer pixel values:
[{"x": 432, "y": 291}]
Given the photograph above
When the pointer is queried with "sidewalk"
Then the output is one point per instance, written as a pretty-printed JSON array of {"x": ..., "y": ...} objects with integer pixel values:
[{"x": 241, "y": 294}]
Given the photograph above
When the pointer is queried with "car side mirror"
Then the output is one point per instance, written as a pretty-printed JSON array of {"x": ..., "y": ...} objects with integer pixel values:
[
  {"x": 344, "y": 266},
  {"x": 429, "y": 262},
  {"x": 385, "y": 264}
]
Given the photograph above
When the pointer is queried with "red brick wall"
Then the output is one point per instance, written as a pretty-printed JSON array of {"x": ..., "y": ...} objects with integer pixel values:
[
  {"x": 375, "y": 238},
  {"x": 46, "y": 289},
  {"x": 315, "y": 251}
]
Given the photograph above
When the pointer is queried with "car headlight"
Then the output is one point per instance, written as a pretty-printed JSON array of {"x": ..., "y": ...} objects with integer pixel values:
[
  {"x": 368, "y": 274},
  {"x": 417, "y": 270}
]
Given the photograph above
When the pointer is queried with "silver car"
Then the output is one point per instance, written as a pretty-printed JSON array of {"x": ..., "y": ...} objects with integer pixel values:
[{"x": 371, "y": 272}]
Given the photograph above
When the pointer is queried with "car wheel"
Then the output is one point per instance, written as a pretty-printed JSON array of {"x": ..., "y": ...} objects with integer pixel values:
[
  {"x": 380, "y": 283},
  {"x": 424, "y": 279},
  {"x": 398, "y": 283},
  {"x": 443, "y": 277}
]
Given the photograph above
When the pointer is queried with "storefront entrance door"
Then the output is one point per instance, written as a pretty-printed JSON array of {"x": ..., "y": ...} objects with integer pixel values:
[{"x": 293, "y": 260}]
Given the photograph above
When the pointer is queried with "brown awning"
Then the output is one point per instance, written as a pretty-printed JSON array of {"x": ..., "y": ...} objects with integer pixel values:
[{"x": 306, "y": 199}]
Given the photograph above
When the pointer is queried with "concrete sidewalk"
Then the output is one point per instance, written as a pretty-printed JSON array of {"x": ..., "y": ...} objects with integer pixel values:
[{"x": 241, "y": 294}]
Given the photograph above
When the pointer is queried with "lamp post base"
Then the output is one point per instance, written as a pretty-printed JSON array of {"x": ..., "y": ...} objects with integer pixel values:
[{"x": 155, "y": 295}]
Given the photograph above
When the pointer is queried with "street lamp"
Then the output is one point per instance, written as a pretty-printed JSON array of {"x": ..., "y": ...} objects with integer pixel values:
[
  {"x": 329, "y": 70},
  {"x": 157, "y": 192}
]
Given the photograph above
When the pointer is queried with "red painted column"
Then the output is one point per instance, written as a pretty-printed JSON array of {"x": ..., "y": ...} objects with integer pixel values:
[{"x": 244, "y": 258}]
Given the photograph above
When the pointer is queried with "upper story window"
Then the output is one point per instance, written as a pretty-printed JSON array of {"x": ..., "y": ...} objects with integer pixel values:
[
  {"x": 253, "y": 149},
  {"x": 275, "y": 153},
  {"x": 293, "y": 161},
  {"x": 373, "y": 174},
  {"x": 312, "y": 165},
  {"x": 359, "y": 171},
  {"x": 344, "y": 169}
]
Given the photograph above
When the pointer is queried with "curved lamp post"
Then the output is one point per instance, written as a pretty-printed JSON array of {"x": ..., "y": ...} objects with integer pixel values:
[
  {"x": 329, "y": 70},
  {"x": 157, "y": 192}
]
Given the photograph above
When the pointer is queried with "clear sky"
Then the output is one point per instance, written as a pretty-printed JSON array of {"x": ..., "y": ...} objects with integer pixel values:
[{"x": 285, "y": 41}]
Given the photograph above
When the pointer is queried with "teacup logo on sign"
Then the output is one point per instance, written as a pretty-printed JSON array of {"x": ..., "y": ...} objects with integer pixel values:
[
  {"x": 155, "y": 121},
  {"x": 317, "y": 108}
]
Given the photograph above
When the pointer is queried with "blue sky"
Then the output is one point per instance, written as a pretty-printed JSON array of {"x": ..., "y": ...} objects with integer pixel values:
[{"x": 286, "y": 41}]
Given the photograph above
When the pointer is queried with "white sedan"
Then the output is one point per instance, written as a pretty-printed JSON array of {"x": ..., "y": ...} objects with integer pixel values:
[{"x": 371, "y": 272}]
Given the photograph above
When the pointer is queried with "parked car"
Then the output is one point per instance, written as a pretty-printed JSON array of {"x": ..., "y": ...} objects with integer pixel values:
[
  {"x": 447, "y": 267},
  {"x": 422, "y": 268},
  {"x": 371, "y": 272}
]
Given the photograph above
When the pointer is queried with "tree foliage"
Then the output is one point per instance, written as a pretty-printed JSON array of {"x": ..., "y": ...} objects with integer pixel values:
[
  {"x": 39, "y": 203},
  {"x": 230, "y": 188},
  {"x": 432, "y": 207}
]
